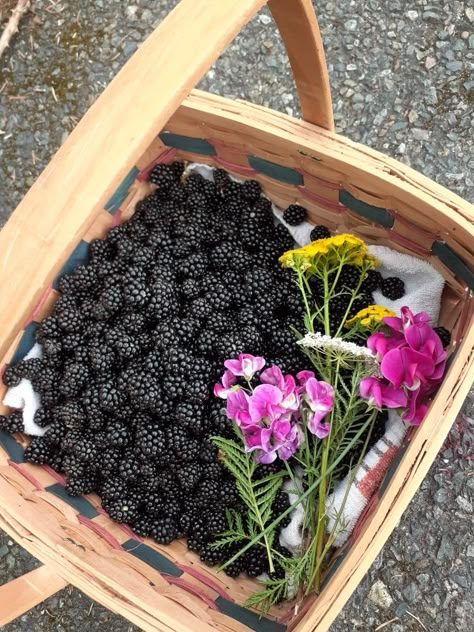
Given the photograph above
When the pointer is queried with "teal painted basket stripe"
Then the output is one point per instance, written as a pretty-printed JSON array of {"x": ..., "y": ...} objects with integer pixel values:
[
  {"x": 152, "y": 558},
  {"x": 79, "y": 503},
  {"x": 453, "y": 262},
  {"x": 187, "y": 143},
  {"x": 26, "y": 343},
  {"x": 277, "y": 172},
  {"x": 121, "y": 193},
  {"x": 335, "y": 566},
  {"x": 79, "y": 256},
  {"x": 247, "y": 617},
  {"x": 11, "y": 447},
  {"x": 372, "y": 213}
]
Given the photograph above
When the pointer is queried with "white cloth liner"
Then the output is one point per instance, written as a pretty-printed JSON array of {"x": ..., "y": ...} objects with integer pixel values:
[{"x": 423, "y": 286}]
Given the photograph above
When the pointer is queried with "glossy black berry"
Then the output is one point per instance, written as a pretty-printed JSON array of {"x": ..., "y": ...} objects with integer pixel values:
[
  {"x": 295, "y": 214},
  {"x": 393, "y": 288},
  {"x": 319, "y": 232}
]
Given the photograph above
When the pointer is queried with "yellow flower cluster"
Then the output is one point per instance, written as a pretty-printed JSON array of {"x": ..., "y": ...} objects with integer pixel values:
[
  {"x": 370, "y": 315},
  {"x": 344, "y": 247}
]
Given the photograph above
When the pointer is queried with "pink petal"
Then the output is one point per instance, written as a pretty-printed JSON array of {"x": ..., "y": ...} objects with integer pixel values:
[
  {"x": 228, "y": 379},
  {"x": 304, "y": 376},
  {"x": 263, "y": 400},
  {"x": 370, "y": 388},
  {"x": 273, "y": 376},
  {"x": 317, "y": 428}
]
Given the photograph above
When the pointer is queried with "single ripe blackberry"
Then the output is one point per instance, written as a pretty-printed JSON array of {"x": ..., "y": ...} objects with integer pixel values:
[
  {"x": 43, "y": 417},
  {"x": 349, "y": 277},
  {"x": 75, "y": 377},
  {"x": 142, "y": 525},
  {"x": 220, "y": 298},
  {"x": 221, "y": 178},
  {"x": 119, "y": 434},
  {"x": 80, "y": 484},
  {"x": 164, "y": 530},
  {"x": 295, "y": 214},
  {"x": 319, "y": 232},
  {"x": 190, "y": 289},
  {"x": 373, "y": 280},
  {"x": 444, "y": 335},
  {"x": 11, "y": 376},
  {"x": 113, "y": 488},
  {"x": 393, "y": 288},
  {"x": 163, "y": 176},
  {"x": 163, "y": 301},
  {"x": 221, "y": 255},
  {"x": 283, "y": 237},
  {"x": 189, "y": 415},
  {"x": 177, "y": 169},
  {"x": 189, "y": 476},
  {"x": 199, "y": 308},
  {"x": 150, "y": 441},
  {"x": 251, "y": 190},
  {"x": 39, "y": 451},
  {"x": 210, "y": 556},
  {"x": 123, "y": 509},
  {"x": 12, "y": 423},
  {"x": 69, "y": 319}
]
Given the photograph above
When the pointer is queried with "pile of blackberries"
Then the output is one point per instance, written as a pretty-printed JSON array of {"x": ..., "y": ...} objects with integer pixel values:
[{"x": 136, "y": 342}]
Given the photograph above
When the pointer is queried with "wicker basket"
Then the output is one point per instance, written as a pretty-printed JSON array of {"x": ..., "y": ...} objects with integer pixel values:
[{"x": 93, "y": 183}]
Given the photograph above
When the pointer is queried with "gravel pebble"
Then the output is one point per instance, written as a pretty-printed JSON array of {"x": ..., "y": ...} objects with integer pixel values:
[{"x": 401, "y": 78}]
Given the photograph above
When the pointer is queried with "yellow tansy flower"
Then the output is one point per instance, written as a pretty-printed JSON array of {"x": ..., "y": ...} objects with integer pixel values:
[{"x": 369, "y": 315}]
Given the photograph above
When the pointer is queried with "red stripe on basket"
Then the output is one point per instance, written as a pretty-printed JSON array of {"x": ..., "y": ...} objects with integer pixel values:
[
  {"x": 27, "y": 475},
  {"x": 55, "y": 475},
  {"x": 182, "y": 583},
  {"x": 163, "y": 158},
  {"x": 102, "y": 531},
  {"x": 403, "y": 241},
  {"x": 241, "y": 169},
  {"x": 321, "y": 200},
  {"x": 205, "y": 580},
  {"x": 117, "y": 218},
  {"x": 320, "y": 181},
  {"x": 41, "y": 302}
]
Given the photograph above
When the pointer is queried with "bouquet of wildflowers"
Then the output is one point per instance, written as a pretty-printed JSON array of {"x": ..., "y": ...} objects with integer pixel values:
[{"x": 363, "y": 359}]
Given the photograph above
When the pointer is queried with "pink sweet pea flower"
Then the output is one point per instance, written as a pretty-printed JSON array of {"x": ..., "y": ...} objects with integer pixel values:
[
  {"x": 320, "y": 397},
  {"x": 238, "y": 407},
  {"x": 224, "y": 387},
  {"x": 265, "y": 401},
  {"x": 379, "y": 394},
  {"x": 273, "y": 376},
  {"x": 246, "y": 365},
  {"x": 281, "y": 439},
  {"x": 317, "y": 427},
  {"x": 406, "y": 367}
]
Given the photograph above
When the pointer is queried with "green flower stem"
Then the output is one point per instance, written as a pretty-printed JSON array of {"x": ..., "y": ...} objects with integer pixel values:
[
  {"x": 354, "y": 294},
  {"x": 316, "y": 574},
  {"x": 269, "y": 528},
  {"x": 301, "y": 285}
]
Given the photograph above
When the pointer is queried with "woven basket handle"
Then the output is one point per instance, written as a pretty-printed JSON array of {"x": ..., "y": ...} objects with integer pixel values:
[{"x": 75, "y": 186}]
